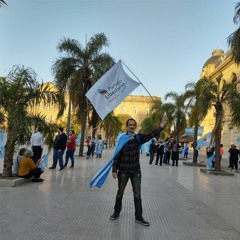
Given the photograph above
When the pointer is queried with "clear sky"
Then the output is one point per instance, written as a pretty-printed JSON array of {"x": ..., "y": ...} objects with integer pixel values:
[{"x": 165, "y": 43}]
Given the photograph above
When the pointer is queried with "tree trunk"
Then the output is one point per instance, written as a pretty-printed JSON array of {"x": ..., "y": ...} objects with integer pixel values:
[
  {"x": 217, "y": 139},
  {"x": 87, "y": 85},
  {"x": 195, "y": 152},
  {"x": 68, "y": 119},
  {"x": 8, "y": 159}
]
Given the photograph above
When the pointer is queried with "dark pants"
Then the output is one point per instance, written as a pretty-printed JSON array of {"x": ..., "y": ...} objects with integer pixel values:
[
  {"x": 37, "y": 153},
  {"x": 161, "y": 158},
  {"x": 168, "y": 155},
  {"x": 58, "y": 156},
  {"x": 135, "y": 178},
  {"x": 173, "y": 162},
  {"x": 33, "y": 173},
  {"x": 151, "y": 158},
  {"x": 234, "y": 162},
  {"x": 185, "y": 155},
  {"x": 88, "y": 151},
  {"x": 69, "y": 154}
]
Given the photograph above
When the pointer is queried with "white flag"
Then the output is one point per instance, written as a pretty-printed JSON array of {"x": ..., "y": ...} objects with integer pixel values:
[{"x": 110, "y": 90}]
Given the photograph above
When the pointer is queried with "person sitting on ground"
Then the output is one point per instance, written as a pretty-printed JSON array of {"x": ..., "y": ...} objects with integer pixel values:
[
  {"x": 17, "y": 160},
  {"x": 28, "y": 169}
]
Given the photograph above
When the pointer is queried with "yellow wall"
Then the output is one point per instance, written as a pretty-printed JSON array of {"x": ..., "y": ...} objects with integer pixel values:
[{"x": 225, "y": 65}]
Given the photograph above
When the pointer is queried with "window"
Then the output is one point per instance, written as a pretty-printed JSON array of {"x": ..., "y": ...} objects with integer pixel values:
[
  {"x": 52, "y": 120},
  {"x": 46, "y": 119},
  {"x": 54, "y": 106},
  {"x": 124, "y": 110},
  {"x": 47, "y": 106},
  {"x": 40, "y": 106},
  {"x": 147, "y": 112},
  {"x": 135, "y": 111}
]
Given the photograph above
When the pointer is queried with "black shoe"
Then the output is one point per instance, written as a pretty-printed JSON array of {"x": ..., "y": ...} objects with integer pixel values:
[
  {"x": 37, "y": 180},
  {"x": 51, "y": 168},
  {"x": 141, "y": 221},
  {"x": 72, "y": 167},
  {"x": 61, "y": 168},
  {"x": 115, "y": 216}
]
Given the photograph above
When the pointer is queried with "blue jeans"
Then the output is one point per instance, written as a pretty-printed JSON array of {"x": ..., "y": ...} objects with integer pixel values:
[
  {"x": 58, "y": 155},
  {"x": 135, "y": 178},
  {"x": 70, "y": 154}
]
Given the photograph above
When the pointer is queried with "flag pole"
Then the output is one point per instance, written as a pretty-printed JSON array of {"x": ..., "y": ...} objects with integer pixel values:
[{"x": 138, "y": 80}]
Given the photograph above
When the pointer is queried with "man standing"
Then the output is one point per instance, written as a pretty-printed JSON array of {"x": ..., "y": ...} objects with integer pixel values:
[
  {"x": 160, "y": 151},
  {"x": 71, "y": 147},
  {"x": 152, "y": 151},
  {"x": 126, "y": 166},
  {"x": 37, "y": 143},
  {"x": 59, "y": 147}
]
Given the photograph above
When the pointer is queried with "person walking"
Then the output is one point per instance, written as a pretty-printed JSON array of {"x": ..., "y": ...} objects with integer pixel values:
[
  {"x": 234, "y": 153},
  {"x": 175, "y": 153},
  {"x": 88, "y": 142},
  {"x": 59, "y": 147},
  {"x": 126, "y": 166},
  {"x": 37, "y": 144},
  {"x": 152, "y": 151},
  {"x": 99, "y": 147},
  {"x": 160, "y": 151},
  {"x": 185, "y": 150},
  {"x": 71, "y": 147}
]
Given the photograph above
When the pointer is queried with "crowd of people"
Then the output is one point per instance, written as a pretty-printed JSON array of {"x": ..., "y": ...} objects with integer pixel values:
[
  {"x": 166, "y": 151},
  {"x": 26, "y": 163}
]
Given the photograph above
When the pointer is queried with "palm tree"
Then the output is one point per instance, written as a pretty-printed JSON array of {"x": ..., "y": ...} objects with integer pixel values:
[
  {"x": 176, "y": 112},
  {"x": 234, "y": 38},
  {"x": 2, "y": 3},
  {"x": 20, "y": 92},
  {"x": 81, "y": 67},
  {"x": 112, "y": 126},
  {"x": 196, "y": 94},
  {"x": 221, "y": 94}
]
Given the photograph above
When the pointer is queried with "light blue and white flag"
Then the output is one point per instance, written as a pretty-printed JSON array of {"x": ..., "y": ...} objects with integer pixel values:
[
  {"x": 110, "y": 90},
  {"x": 210, "y": 161},
  {"x": 190, "y": 131},
  {"x": 102, "y": 174},
  {"x": 78, "y": 138},
  {"x": 2, "y": 152},
  {"x": 238, "y": 140},
  {"x": 44, "y": 163},
  {"x": 204, "y": 141}
]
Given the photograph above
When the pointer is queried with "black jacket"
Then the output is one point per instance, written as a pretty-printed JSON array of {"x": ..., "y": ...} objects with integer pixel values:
[{"x": 60, "y": 142}]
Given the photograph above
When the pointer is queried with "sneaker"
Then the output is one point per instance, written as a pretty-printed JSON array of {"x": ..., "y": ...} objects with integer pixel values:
[
  {"x": 115, "y": 216},
  {"x": 141, "y": 221},
  {"x": 51, "y": 168}
]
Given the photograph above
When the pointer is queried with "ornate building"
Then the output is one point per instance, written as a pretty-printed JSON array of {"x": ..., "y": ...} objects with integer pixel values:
[
  {"x": 138, "y": 107},
  {"x": 222, "y": 63}
]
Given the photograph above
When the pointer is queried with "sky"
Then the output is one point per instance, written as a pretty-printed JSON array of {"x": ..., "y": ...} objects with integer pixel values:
[{"x": 164, "y": 43}]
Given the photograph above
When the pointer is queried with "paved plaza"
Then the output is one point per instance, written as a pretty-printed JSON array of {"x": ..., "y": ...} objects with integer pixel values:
[{"x": 179, "y": 202}]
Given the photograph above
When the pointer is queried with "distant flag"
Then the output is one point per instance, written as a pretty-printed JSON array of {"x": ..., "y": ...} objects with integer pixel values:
[
  {"x": 78, "y": 138},
  {"x": 2, "y": 152},
  {"x": 190, "y": 131},
  {"x": 204, "y": 141},
  {"x": 210, "y": 161},
  {"x": 110, "y": 90},
  {"x": 44, "y": 163}
]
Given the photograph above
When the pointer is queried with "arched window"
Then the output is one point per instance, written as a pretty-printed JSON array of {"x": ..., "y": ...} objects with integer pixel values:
[
  {"x": 124, "y": 110},
  {"x": 147, "y": 111},
  {"x": 40, "y": 106},
  {"x": 53, "y": 106},
  {"x": 52, "y": 120},
  {"x": 135, "y": 111},
  {"x": 46, "y": 119},
  {"x": 47, "y": 106}
]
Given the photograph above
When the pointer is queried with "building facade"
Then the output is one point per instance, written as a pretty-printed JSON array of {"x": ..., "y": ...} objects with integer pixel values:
[{"x": 222, "y": 63}]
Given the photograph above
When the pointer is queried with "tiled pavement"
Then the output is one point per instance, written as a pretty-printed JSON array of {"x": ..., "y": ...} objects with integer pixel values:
[{"x": 180, "y": 203}]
